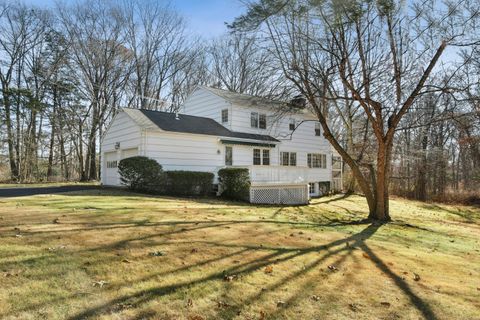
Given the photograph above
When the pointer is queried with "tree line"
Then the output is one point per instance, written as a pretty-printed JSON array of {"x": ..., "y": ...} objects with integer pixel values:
[{"x": 394, "y": 85}]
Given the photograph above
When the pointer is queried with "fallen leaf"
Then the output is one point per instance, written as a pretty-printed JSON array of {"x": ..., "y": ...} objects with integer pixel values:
[
  {"x": 229, "y": 278},
  {"x": 262, "y": 315},
  {"x": 385, "y": 303},
  {"x": 222, "y": 304},
  {"x": 416, "y": 277},
  {"x": 156, "y": 253},
  {"x": 126, "y": 261},
  {"x": 268, "y": 269},
  {"x": 280, "y": 303},
  {"x": 332, "y": 267},
  {"x": 56, "y": 221},
  {"x": 365, "y": 255},
  {"x": 353, "y": 307},
  {"x": 100, "y": 283},
  {"x": 196, "y": 317}
]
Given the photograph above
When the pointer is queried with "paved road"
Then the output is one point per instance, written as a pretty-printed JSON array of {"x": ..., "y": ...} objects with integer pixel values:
[{"x": 21, "y": 192}]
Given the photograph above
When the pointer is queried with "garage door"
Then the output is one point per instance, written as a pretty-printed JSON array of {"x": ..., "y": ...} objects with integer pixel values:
[{"x": 111, "y": 172}]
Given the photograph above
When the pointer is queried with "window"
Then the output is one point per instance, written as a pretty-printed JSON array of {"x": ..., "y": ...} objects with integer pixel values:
[
  {"x": 317, "y": 129},
  {"x": 228, "y": 156},
  {"x": 224, "y": 115},
  {"x": 293, "y": 159},
  {"x": 311, "y": 187},
  {"x": 291, "y": 125},
  {"x": 317, "y": 160},
  {"x": 262, "y": 122},
  {"x": 336, "y": 162},
  {"x": 288, "y": 158},
  {"x": 266, "y": 157},
  {"x": 258, "y": 120},
  {"x": 254, "y": 120},
  {"x": 111, "y": 164},
  {"x": 256, "y": 157},
  {"x": 261, "y": 157}
]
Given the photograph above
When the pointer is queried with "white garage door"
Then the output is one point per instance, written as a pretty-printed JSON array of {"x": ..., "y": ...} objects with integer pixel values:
[{"x": 111, "y": 172}]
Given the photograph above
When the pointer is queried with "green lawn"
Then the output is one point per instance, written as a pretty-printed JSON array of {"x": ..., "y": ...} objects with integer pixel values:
[
  {"x": 115, "y": 255},
  {"x": 47, "y": 184}
]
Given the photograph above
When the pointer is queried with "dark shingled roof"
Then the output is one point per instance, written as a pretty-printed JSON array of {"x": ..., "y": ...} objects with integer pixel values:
[{"x": 198, "y": 125}]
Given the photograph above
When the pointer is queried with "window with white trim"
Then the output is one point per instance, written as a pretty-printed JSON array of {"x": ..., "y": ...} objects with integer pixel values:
[
  {"x": 224, "y": 115},
  {"x": 257, "y": 158},
  {"x": 266, "y": 157},
  {"x": 317, "y": 160},
  {"x": 261, "y": 157},
  {"x": 317, "y": 129},
  {"x": 291, "y": 124},
  {"x": 228, "y": 156},
  {"x": 254, "y": 120},
  {"x": 288, "y": 158},
  {"x": 258, "y": 120},
  {"x": 311, "y": 187},
  {"x": 262, "y": 121}
]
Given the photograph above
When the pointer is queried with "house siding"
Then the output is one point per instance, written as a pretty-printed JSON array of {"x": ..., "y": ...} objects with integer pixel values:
[
  {"x": 203, "y": 103},
  {"x": 124, "y": 130}
]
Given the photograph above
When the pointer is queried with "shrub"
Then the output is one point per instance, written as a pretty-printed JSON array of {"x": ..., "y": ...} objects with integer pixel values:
[
  {"x": 234, "y": 183},
  {"x": 188, "y": 183},
  {"x": 140, "y": 173}
]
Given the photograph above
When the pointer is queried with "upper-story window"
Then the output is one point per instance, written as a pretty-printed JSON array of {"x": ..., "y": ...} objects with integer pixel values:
[
  {"x": 317, "y": 129},
  {"x": 288, "y": 158},
  {"x": 261, "y": 157},
  {"x": 224, "y": 115},
  {"x": 228, "y": 156},
  {"x": 291, "y": 124},
  {"x": 254, "y": 120},
  {"x": 262, "y": 121},
  {"x": 258, "y": 120},
  {"x": 317, "y": 160}
]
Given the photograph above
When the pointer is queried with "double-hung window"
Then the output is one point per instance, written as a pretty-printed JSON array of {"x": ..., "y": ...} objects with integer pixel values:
[
  {"x": 317, "y": 129},
  {"x": 291, "y": 125},
  {"x": 258, "y": 120},
  {"x": 266, "y": 157},
  {"x": 262, "y": 121},
  {"x": 224, "y": 115},
  {"x": 317, "y": 160},
  {"x": 228, "y": 156},
  {"x": 261, "y": 157},
  {"x": 288, "y": 158},
  {"x": 254, "y": 120}
]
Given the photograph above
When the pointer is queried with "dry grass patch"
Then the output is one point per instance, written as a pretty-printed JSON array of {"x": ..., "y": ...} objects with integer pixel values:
[{"x": 115, "y": 255}]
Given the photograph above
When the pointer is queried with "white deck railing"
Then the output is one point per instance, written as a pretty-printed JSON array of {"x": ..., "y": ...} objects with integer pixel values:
[{"x": 281, "y": 174}]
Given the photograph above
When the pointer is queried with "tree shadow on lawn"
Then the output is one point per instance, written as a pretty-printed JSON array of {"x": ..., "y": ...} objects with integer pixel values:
[{"x": 335, "y": 248}]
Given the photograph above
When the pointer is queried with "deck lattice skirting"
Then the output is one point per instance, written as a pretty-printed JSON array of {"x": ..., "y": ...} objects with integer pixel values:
[{"x": 279, "y": 194}]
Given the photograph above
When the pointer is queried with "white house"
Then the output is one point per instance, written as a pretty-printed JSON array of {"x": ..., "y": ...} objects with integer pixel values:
[{"x": 280, "y": 143}]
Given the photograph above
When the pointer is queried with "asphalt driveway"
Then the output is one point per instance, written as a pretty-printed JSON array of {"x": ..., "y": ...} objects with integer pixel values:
[{"x": 27, "y": 191}]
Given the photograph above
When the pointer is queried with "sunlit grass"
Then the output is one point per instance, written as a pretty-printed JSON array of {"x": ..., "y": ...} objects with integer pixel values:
[{"x": 89, "y": 254}]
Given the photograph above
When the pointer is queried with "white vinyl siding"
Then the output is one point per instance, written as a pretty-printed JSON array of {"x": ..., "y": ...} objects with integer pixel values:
[{"x": 121, "y": 136}]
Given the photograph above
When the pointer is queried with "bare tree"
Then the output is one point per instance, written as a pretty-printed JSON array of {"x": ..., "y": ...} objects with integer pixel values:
[{"x": 382, "y": 52}]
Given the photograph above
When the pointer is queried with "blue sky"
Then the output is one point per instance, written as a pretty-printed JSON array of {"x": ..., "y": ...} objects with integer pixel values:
[{"x": 205, "y": 17}]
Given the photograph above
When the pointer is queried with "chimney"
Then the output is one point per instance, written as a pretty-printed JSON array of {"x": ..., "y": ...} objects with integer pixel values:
[{"x": 176, "y": 116}]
